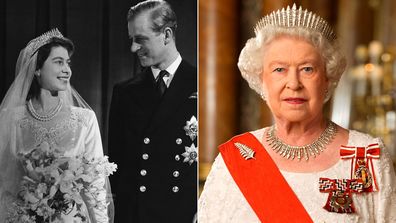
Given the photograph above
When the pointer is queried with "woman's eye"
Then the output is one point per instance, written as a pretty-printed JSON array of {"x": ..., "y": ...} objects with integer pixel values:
[
  {"x": 308, "y": 69},
  {"x": 59, "y": 62},
  {"x": 279, "y": 69}
]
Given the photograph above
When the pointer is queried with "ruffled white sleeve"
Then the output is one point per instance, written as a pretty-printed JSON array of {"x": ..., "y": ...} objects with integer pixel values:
[
  {"x": 96, "y": 194},
  {"x": 385, "y": 200}
]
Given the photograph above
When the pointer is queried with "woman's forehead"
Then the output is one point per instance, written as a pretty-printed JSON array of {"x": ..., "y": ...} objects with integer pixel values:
[
  {"x": 287, "y": 47},
  {"x": 59, "y": 51}
]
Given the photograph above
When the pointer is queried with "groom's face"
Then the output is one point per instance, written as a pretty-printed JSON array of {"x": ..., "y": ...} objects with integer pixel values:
[{"x": 147, "y": 44}]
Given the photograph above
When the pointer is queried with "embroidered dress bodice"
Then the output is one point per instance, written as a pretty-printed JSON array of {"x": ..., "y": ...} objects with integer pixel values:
[
  {"x": 222, "y": 201},
  {"x": 73, "y": 131},
  {"x": 64, "y": 133}
]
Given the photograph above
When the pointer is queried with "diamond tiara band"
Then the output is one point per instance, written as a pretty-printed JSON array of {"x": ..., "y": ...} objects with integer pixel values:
[
  {"x": 40, "y": 41},
  {"x": 293, "y": 17}
]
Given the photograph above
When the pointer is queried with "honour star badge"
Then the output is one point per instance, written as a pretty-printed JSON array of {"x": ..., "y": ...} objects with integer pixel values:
[
  {"x": 191, "y": 128},
  {"x": 190, "y": 155}
]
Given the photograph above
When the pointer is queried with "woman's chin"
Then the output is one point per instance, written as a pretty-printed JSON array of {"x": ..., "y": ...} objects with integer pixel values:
[
  {"x": 57, "y": 90},
  {"x": 296, "y": 116},
  {"x": 62, "y": 87}
]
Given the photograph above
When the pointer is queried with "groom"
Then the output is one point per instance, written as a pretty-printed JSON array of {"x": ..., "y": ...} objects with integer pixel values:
[{"x": 153, "y": 125}]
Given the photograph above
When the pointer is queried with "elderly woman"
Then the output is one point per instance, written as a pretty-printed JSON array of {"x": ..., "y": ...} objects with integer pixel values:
[{"x": 304, "y": 168}]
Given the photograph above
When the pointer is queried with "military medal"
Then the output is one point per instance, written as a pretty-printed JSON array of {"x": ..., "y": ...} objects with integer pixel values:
[
  {"x": 362, "y": 164},
  {"x": 191, "y": 128},
  {"x": 191, "y": 152},
  {"x": 340, "y": 193},
  {"x": 190, "y": 155}
]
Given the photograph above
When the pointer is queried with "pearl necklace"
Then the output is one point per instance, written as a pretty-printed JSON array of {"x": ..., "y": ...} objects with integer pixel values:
[
  {"x": 47, "y": 117},
  {"x": 312, "y": 149}
]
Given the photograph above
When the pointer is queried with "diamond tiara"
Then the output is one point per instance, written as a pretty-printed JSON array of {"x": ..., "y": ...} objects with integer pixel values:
[
  {"x": 40, "y": 41},
  {"x": 291, "y": 17}
]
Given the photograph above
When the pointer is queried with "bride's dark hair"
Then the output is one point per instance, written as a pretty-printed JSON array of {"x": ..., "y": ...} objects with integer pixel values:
[{"x": 42, "y": 55}]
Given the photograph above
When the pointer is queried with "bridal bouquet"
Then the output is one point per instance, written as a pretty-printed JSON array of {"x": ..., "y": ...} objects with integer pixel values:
[{"x": 53, "y": 183}]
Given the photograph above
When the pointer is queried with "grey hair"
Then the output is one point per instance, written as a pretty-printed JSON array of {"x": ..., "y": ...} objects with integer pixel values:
[{"x": 250, "y": 61}]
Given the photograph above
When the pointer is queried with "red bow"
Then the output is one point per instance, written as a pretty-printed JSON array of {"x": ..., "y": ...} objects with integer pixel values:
[{"x": 360, "y": 168}]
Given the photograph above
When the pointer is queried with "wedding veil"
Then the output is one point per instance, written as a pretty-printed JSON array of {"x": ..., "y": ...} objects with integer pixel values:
[{"x": 15, "y": 97}]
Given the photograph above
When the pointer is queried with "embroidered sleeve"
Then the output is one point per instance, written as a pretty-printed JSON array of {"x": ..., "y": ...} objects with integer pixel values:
[
  {"x": 385, "y": 201},
  {"x": 96, "y": 192}
]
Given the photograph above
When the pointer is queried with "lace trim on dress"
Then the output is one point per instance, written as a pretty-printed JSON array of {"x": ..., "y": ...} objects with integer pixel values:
[{"x": 52, "y": 135}]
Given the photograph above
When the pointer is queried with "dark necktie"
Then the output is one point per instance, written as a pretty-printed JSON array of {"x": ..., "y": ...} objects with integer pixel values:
[{"x": 161, "y": 85}]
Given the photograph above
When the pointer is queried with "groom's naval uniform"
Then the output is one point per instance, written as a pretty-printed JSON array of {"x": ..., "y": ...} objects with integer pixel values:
[{"x": 153, "y": 141}]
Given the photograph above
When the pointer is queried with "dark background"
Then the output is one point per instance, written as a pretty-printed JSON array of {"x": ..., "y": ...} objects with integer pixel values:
[{"x": 98, "y": 29}]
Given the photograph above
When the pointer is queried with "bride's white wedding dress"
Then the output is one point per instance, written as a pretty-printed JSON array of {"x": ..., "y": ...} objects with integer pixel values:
[{"x": 73, "y": 131}]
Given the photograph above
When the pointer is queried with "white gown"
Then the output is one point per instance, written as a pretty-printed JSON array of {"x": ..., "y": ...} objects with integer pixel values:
[
  {"x": 73, "y": 131},
  {"x": 222, "y": 201}
]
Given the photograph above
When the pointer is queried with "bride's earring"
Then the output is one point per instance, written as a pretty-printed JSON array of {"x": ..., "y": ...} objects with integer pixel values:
[{"x": 37, "y": 73}]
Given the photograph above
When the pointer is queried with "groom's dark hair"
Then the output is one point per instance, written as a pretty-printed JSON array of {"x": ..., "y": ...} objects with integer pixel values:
[{"x": 162, "y": 14}]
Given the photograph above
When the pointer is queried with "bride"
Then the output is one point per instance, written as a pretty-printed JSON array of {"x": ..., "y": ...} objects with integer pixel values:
[{"x": 42, "y": 109}]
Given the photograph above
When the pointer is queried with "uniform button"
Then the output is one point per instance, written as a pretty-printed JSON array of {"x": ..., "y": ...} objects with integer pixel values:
[
  {"x": 177, "y": 157},
  {"x": 142, "y": 188},
  {"x": 143, "y": 172},
  {"x": 146, "y": 140},
  {"x": 175, "y": 189},
  {"x": 176, "y": 173},
  {"x": 145, "y": 156},
  {"x": 179, "y": 141}
]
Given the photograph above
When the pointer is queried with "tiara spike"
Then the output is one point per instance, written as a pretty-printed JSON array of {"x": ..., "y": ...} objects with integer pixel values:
[
  {"x": 309, "y": 20},
  {"x": 324, "y": 28},
  {"x": 313, "y": 20},
  {"x": 294, "y": 15},
  {"x": 288, "y": 16},
  {"x": 299, "y": 17},
  {"x": 317, "y": 23},
  {"x": 305, "y": 17},
  {"x": 277, "y": 15}
]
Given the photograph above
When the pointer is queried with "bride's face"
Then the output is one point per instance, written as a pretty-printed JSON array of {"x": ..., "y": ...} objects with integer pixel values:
[{"x": 55, "y": 73}]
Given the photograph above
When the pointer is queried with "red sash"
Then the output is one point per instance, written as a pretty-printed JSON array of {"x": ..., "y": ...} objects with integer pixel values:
[{"x": 261, "y": 183}]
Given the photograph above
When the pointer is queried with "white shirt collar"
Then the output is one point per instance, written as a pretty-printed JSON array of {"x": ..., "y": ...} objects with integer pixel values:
[{"x": 171, "y": 70}]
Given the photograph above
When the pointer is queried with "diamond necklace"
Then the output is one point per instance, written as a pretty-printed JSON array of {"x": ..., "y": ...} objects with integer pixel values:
[
  {"x": 312, "y": 149},
  {"x": 47, "y": 117}
]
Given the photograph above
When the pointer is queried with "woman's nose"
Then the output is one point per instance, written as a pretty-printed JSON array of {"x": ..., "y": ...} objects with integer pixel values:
[
  {"x": 293, "y": 80},
  {"x": 67, "y": 69}
]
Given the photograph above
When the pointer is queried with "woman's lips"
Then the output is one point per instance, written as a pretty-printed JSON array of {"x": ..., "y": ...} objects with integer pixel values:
[
  {"x": 64, "y": 78},
  {"x": 295, "y": 100}
]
